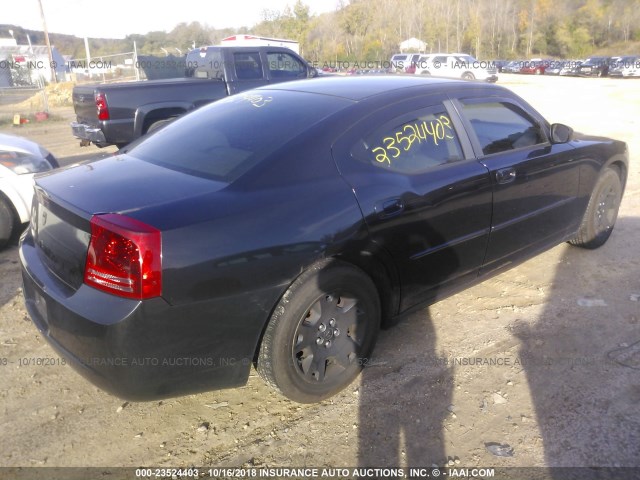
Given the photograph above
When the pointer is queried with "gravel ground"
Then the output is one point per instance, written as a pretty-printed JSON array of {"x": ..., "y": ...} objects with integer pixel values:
[{"x": 544, "y": 358}]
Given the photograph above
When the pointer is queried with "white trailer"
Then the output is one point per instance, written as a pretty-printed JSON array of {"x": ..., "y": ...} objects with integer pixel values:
[{"x": 255, "y": 41}]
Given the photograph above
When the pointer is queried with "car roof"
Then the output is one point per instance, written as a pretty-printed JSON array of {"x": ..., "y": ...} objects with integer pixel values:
[
  {"x": 14, "y": 143},
  {"x": 362, "y": 87}
]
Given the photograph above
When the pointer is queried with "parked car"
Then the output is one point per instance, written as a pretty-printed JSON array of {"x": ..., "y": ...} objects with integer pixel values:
[
  {"x": 118, "y": 113},
  {"x": 593, "y": 67},
  {"x": 512, "y": 67},
  {"x": 561, "y": 67},
  {"x": 627, "y": 66},
  {"x": 500, "y": 64},
  {"x": 570, "y": 67},
  {"x": 556, "y": 66},
  {"x": 20, "y": 159},
  {"x": 404, "y": 62},
  {"x": 280, "y": 226},
  {"x": 456, "y": 65},
  {"x": 534, "y": 67}
]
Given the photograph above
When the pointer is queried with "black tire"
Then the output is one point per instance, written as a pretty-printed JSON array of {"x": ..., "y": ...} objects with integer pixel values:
[
  {"x": 321, "y": 333},
  {"x": 7, "y": 223},
  {"x": 602, "y": 212},
  {"x": 468, "y": 76},
  {"x": 159, "y": 124}
]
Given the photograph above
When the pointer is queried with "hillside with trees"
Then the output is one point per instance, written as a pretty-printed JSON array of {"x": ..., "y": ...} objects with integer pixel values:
[{"x": 371, "y": 30}]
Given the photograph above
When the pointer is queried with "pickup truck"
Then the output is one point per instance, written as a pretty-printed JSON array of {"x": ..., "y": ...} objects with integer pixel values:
[{"x": 118, "y": 113}]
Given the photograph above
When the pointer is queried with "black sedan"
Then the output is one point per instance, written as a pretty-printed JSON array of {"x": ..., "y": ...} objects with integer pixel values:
[
  {"x": 279, "y": 227},
  {"x": 593, "y": 67}
]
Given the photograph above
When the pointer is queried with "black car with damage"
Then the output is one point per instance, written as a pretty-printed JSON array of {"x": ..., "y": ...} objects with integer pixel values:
[{"x": 279, "y": 227}]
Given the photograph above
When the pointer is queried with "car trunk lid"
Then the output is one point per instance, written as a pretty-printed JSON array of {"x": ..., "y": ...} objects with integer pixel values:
[{"x": 65, "y": 205}]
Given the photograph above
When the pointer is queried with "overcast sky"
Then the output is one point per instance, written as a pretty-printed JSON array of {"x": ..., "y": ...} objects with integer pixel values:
[{"x": 118, "y": 18}]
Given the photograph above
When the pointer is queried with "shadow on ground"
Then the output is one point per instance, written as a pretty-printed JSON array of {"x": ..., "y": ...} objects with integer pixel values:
[{"x": 581, "y": 360}]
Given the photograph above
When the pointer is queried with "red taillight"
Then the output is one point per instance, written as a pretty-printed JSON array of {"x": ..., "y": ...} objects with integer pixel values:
[
  {"x": 124, "y": 257},
  {"x": 101, "y": 105}
]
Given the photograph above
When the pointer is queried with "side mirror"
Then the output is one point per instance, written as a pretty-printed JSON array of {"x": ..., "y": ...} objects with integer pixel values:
[
  {"x": 561, "y": 133},
  {"x": 313, "y": 73}
]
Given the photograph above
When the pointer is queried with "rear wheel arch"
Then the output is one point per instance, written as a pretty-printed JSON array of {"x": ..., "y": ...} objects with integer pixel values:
[
  {"x": 288, "y": 357},
  {"x": 157, "y": 125},
  {"x": 156, "y": 116},
  {"x": 373, "y": 266},
  {"x": 383, "y": 275}
]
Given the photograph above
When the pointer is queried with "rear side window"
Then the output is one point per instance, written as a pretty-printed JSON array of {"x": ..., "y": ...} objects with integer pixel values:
[
  {"x": 411, "y": 144},
  {"x": 225, "y": 139},
  {"x": 248, "y": 65},
  {"x": 502, "y": 126},
  {"x": 205, "y": 62}
]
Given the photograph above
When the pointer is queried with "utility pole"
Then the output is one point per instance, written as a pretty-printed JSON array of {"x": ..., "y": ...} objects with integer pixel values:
[{"x": 52, "y": 66}]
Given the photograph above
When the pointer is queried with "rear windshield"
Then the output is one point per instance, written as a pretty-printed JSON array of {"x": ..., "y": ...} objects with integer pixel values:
[
  {"x": 224, "y": 140},
  {"x": 205, "y": 63}
]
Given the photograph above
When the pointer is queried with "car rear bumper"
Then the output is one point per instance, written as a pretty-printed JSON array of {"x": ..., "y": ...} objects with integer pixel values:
[
  {"x": 88, "y": 133},
  {"x": 142, "y": 350}
]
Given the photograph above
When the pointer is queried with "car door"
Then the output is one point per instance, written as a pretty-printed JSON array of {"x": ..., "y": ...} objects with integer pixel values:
[
  {"x": 247, "y": 70},
  {"x": 440, "y": 66},
  {"x": 535, "y": 183},
  {"x": 425, "y": 198}
]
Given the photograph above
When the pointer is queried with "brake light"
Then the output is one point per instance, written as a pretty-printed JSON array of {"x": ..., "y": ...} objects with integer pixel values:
[
  {"x": 101, "y": 105},
  {"x": 124, "y": 257}
]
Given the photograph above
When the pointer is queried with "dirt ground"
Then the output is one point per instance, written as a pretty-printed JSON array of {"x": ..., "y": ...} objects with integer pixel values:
[{"x": 544, "y": 358}]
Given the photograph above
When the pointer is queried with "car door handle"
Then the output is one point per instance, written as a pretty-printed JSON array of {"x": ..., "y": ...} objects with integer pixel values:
[
  {"x": 505, "y": 175},
  {"x": 389, "y": 208}
]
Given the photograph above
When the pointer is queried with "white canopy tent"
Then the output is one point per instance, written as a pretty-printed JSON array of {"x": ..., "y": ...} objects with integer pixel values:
[{"x": 413, "y": 44}]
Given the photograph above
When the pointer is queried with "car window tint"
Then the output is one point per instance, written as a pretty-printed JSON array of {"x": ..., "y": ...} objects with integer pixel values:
[
  {"x": 248, "y": 65},
  {"x": 283, "y": 65},
  {"x": 412, "y": 144},
  {"x": 501, "y": 126},
  {"x": 225, "y": 139},
  {"x": 206, "y": 61}
]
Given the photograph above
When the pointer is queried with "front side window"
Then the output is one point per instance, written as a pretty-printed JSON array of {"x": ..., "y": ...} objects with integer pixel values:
[
  {"x": 501, "y": 126},
  {"x": 283, "y": 65},
  {"x": 411, "y": 144}
]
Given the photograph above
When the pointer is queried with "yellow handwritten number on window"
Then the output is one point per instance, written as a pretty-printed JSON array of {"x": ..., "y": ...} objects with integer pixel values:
[{"x": 403, "y": 140}]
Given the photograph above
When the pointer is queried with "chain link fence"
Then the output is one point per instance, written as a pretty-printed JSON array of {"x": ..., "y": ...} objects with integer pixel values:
[
  {"x": 119, "y": 67},
  {"x": 27, "y": 93}
]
